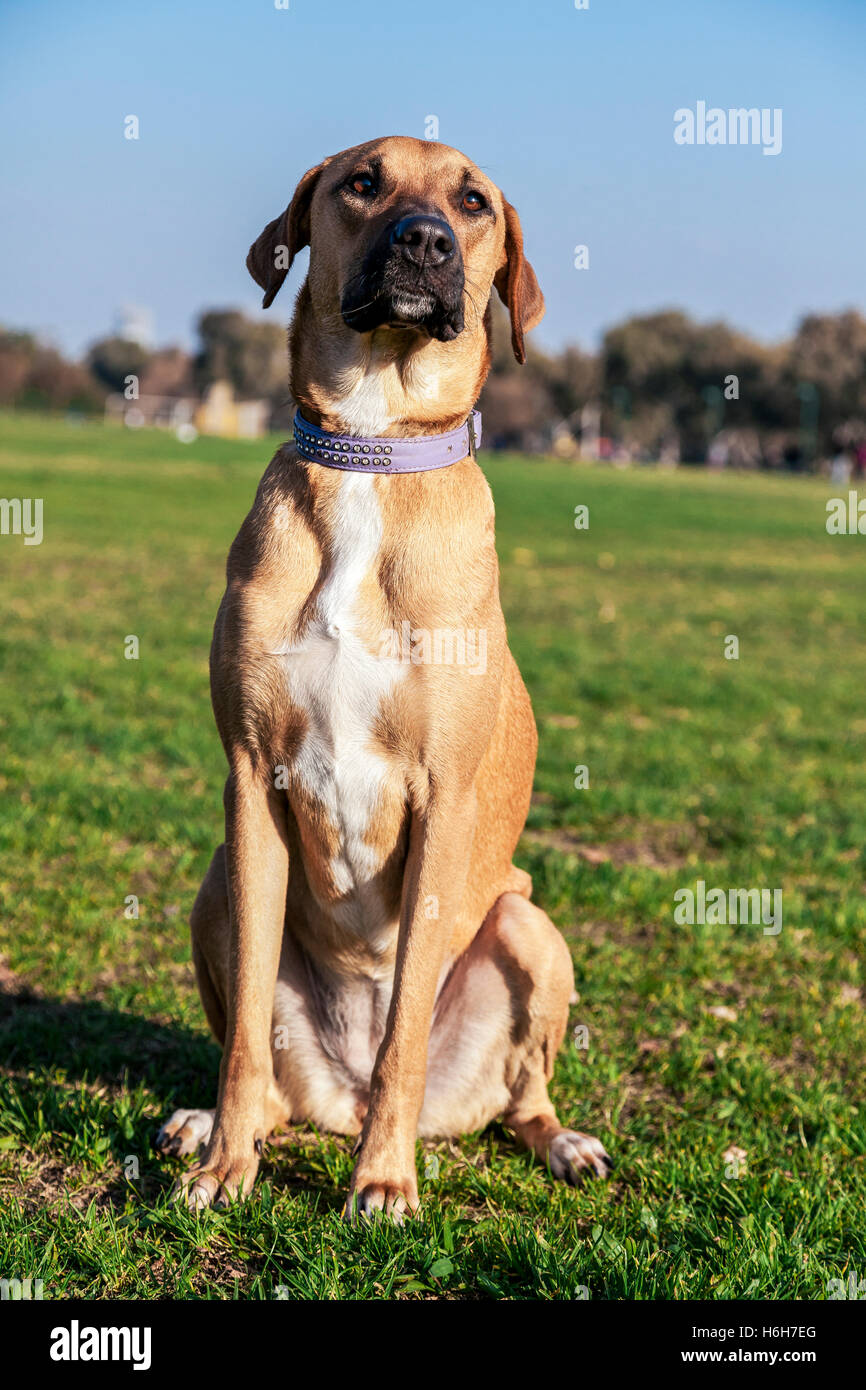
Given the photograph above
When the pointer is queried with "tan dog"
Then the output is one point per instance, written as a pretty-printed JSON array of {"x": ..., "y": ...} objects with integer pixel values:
[{"x": 365, "y": 949}]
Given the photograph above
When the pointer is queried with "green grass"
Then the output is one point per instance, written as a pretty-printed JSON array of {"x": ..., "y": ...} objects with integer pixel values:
[{"x": 744, "y": 773}]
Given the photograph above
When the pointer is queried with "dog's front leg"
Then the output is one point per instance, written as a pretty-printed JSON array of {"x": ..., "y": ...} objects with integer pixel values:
[
  {"x": 439, "y": 849},
  {"x": 257, "y": 861}
]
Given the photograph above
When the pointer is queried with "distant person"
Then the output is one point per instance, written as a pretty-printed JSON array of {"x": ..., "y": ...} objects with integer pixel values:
[
  {"x": 717, "y": 456},
  {"x": 840, "y": 468}
]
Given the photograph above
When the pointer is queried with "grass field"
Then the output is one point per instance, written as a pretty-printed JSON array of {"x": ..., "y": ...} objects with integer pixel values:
[{"x": 701, "y": 1039}]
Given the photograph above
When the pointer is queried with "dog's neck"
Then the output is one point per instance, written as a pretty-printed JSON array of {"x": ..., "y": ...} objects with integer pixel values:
[{"x": 390, "y": 383}]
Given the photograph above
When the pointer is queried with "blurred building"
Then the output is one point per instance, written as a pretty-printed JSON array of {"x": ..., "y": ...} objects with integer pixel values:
[
  {"x": 134, "y": 324},
  {"x": 217, "y": 411},
  {"x": 221, "y": 413}
]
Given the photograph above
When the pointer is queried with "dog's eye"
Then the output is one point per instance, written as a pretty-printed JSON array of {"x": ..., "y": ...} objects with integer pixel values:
[
  {"x": 362, "y": 184},
  {"x": 473, "y": 202}
]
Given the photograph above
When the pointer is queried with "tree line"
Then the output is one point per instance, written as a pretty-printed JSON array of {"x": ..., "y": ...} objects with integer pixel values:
[{"x": 661, "y": 385}]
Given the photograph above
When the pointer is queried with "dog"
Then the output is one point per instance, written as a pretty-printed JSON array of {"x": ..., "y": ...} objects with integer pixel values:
[{"x": 366, "y": 952}]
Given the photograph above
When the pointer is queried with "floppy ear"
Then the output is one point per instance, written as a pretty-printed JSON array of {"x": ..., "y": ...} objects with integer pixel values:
[
  {"x": 517, "y": 286},
  {"x": 270, "y": 256}
]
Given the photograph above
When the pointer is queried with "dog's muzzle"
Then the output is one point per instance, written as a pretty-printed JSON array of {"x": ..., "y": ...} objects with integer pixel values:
[{"x": 412, "y": 277}]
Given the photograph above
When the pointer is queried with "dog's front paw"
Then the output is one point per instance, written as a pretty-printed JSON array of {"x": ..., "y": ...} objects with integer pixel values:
[
  {"x": 370, "y": 1195},
  {"x": 217, "y": 1179},
  {"x": 573, "y": 1156}
]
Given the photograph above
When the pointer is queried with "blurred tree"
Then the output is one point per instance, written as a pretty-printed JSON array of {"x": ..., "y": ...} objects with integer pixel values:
[
  {"x": 52, "y": 383},
  {"x": 252, "y": 356},
  {"x": 112, "y": 360},
  {"x": 36, "y": 377},
  {"x": 828, "y": 352},
  {"x": 665, "y": 383},
  {"x": 17, "y": 351},
  {"x": 574, "y": 379},
  {"x": 706, "y": 376},
  {"x": 531, "y": 400},
  {"x": 169, "y": 372},
  {"x": 516, "y": 411}
]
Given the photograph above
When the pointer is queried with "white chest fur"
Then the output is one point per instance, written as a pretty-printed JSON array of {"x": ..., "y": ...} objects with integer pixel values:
[
  {"x": 369, "y": 393},
  {"x": 340, "y": 681}
]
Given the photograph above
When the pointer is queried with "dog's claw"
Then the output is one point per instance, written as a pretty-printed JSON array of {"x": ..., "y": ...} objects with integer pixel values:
[
  {"x": 378, "y": 1199},
  {"x": 573, "y": 1156}
]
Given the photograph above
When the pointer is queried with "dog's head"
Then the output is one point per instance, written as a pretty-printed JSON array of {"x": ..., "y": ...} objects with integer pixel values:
[{"x": 404, "y": 234}]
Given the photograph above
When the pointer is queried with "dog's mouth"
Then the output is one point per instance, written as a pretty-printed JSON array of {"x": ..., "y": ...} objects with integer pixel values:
[
  {"x": 366, "y": 306},
  {"x": 408, "y": 308},
  {"x": 411, "y": 278}
]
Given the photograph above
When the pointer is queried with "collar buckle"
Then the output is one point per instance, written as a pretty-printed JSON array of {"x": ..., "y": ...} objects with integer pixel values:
[{"x": 473, "y": 443}]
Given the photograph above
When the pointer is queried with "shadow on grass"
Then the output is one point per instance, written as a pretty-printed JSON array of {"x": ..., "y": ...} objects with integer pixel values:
[{"x": 90, "y": 1041}]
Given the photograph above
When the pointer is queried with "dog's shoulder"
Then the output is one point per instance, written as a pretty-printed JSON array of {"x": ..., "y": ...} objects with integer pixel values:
[
  {"x": 279, "y": 530},
  {"x": 272, "y": 566}
]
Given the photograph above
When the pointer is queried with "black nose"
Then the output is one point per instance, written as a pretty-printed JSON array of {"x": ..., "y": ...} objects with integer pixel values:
[{"x": 423, "y": 240}]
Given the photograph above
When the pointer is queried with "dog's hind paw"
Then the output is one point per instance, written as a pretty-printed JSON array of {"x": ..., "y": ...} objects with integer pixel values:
[
  {"x": 572, "y": 1156},
  {"x": 185, "y": 1132}
]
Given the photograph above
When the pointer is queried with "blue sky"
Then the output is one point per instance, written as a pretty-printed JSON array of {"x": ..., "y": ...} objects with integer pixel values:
[{"x": 571, "y": 112}]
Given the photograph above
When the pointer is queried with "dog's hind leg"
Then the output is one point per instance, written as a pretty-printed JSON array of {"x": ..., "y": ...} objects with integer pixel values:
[
  {"x": 538, "y": 951},
  {"x": 499, "y": 1023}
]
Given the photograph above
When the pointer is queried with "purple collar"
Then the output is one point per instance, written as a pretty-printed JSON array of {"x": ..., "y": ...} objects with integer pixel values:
[{"x": 386, "y": 455}]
